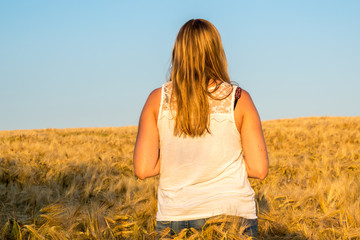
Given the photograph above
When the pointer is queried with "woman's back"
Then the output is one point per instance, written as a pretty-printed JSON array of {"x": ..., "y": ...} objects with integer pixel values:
[
  {"x": 204, "y": 161},
  {"x": 203, "y": 176}
]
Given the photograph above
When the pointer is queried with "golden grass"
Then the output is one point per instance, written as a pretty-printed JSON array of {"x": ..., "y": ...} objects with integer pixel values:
[{"x": 79, "y": 184}]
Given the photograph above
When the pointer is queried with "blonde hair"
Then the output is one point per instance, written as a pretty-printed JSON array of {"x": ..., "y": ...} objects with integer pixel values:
[{"x": 198, "y": 59}]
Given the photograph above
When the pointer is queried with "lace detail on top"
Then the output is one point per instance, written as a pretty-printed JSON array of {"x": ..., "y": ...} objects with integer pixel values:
[{"x": 220, "y": 104}]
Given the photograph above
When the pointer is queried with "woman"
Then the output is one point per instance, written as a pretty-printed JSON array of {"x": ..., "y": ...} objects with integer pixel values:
[{"x": 201, "y": 136}]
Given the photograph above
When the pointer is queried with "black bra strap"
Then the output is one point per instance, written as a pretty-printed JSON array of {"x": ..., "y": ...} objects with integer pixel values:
[{"x": 237, "y": 95}]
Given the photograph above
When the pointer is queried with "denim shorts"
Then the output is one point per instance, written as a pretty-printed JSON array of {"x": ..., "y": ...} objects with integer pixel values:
[{"x": 251, "y": 225}]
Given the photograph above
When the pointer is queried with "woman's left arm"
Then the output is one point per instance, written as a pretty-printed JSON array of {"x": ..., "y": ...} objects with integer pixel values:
[{"x": 146, "y": 157}]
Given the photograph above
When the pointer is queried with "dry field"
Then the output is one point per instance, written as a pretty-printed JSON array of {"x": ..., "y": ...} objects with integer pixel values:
[{"x": 79, "y": 184}]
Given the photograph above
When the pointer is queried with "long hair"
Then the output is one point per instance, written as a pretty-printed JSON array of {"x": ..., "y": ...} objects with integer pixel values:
[{"x": 198, "y": 59}]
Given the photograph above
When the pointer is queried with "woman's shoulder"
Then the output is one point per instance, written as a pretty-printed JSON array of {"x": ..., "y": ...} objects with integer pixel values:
[
  {"x": 155, "y": 95},
  {"x": 245, "y": 105},
  {"x": 245, "y": 97},
  {"x": 153, "y": 102}
]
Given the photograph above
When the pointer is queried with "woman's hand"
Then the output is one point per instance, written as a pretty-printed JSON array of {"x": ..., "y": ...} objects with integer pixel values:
[
  {"x": 146, "y": 157},
  {"x": 249, "y": 125}
]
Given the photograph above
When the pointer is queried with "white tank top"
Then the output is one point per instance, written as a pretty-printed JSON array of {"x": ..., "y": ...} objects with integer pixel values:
[{"x": 203, "y": 176}]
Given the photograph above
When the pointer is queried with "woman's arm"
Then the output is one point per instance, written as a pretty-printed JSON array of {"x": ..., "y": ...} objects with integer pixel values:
[
  {"x": 146, "y": 157},
  {"x": 252, "y": 138}
]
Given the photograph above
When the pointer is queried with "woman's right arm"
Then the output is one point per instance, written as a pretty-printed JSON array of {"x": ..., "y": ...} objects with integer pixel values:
[
  {"x": 252, "y": 138},
  {"x": 146, "y": 157}
]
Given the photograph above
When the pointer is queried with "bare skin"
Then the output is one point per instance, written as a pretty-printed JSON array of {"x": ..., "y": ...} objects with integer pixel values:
[
  {"x": 248, "y": 123},
  {"x": 146, "y": 152}
]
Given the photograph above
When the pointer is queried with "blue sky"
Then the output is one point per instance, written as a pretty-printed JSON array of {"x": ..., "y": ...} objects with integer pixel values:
[{"x": 67, "y": 64}]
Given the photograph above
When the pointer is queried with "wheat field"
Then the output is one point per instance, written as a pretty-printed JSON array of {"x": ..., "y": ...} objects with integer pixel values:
[{"x": 79, "y": 184}]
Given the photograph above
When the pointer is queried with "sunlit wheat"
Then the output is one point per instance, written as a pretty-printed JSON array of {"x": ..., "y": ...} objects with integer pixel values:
[{"x": 79, "y": 184}]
